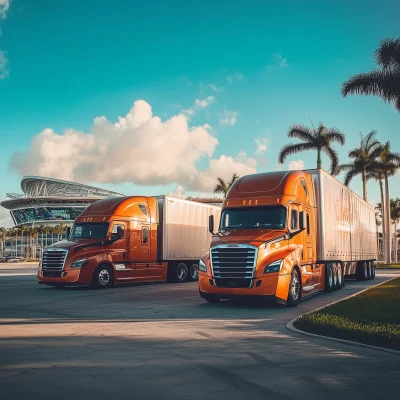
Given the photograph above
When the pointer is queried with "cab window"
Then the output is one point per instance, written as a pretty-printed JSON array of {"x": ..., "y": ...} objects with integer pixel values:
[
  {"x": 308, "y": 224},
  {"x": 114, "y": 232},
  {"x": 294, "y": 220}
]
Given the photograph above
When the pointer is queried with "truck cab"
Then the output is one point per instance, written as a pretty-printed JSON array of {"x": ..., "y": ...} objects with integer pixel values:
[{"x": 265, "y": 244}]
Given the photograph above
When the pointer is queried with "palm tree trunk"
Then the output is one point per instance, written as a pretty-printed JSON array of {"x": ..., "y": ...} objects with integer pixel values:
[
  {"x": 319, "y": 162},
  {"x": 383, "y": 208},
  {"x": 364, "y": 183},
  {"x": 395, "y": 242},
  {"x": 388, "y": 222}
]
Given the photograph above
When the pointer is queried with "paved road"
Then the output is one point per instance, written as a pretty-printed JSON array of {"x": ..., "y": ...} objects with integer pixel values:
[{"x": 163, "y": 342}]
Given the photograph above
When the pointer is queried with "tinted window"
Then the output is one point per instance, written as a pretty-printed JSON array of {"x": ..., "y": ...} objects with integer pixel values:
[
  {"x": 294, "y": 218},
  {"x": 145, "y": 235},
  {"x": 114, "y": 232},
  {"x": 253, "y": 218},
  {"x": 308, "y": 224},
  {"x": 143, "y": 209},
  {"x": 95, "y": 231}
]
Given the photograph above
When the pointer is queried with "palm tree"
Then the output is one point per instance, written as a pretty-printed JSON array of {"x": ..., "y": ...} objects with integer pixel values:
[
  {"x": 395, "y": 217},
  {"x": 320, "y": 140},
  {"x": 384, "y": 82},
  {"x": 223, "y": 186},
  {"x": 364, "y": 161},
  {"x": 388, "y": 164}
]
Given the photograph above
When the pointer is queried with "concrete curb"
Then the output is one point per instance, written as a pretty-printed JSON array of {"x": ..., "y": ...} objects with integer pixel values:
[{"x": 291, "y": 327}]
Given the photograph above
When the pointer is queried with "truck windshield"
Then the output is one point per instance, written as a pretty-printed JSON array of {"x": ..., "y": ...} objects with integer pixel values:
[
  {"x": 253, "y": 218},
  {"x": 94, "y": 231}
]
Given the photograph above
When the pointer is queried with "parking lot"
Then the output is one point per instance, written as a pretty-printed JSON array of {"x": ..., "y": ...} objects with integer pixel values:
[{"x": 162, "y": 341}]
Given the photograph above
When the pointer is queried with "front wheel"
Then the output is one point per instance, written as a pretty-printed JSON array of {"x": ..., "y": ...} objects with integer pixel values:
[
  {"x": 103, "y": 277},
  {"x": 294, "y": 295}
]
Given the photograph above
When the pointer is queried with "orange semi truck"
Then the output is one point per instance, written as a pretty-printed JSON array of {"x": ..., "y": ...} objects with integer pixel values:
[
  {"x": 286, "y": 236},
  {"x": 131, "y": 239}
]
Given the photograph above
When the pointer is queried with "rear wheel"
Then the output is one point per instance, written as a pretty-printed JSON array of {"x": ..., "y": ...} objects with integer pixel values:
[
  {"x": 294, "y": 295},
  {"x": 369, "y": 270},
  {"x": 103, "y": 277},
  {"x": 181, "y": 273},
  {"x": 328, "y": 278},
  {"x": 334, "y": 276},
  {"x": 193, "y": 273},
  {"x": 339, "y": 276},
  {"x": 373, "y": 267}
]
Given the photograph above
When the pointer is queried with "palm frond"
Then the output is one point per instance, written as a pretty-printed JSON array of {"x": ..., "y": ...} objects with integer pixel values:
[
  {"x": 388, "y": 53},
  {"x": 301, "y": 132},
  {"x": 334, "y": 157},
  {"x": 334, "y": 135},
  {"x": 291, "y": 149},
  {"x": 350, "y": 175},
  {"x": 346, "y": 167},
  {"x": 379, "y": 83}
]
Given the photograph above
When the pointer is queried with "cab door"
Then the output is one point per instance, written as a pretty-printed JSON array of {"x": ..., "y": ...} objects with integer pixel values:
[
  {"x": 146, "y": 269},
  {"x": 118, "y": 252},
  {"x": 311, "y": 246}
]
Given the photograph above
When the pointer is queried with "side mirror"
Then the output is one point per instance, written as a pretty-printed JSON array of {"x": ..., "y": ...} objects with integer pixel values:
[
  {"x": 303, "y": 222},
  {"x": 211, "y": 224},
  {"x": 120, "y": 232}
]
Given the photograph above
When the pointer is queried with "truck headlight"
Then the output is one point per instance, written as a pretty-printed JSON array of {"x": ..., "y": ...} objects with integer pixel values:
[
  {"x": 80, "y": 263},
  {"x": 202, "y": 266},
  {"x": 275, "y": 266}
]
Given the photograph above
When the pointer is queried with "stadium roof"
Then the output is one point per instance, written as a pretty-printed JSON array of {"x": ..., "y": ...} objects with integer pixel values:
[{"x": 38, "y": 186}]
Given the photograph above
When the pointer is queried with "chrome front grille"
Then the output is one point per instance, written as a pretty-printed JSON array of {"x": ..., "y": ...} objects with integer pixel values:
[
  {"x": 53, "y": 260},
  {"x": 233, "y": 262}
]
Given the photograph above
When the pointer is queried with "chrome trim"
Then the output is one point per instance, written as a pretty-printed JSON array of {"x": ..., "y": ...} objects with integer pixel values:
[
  {"x": 54, "y": 250},
  {"x": 250, "y": 266}
]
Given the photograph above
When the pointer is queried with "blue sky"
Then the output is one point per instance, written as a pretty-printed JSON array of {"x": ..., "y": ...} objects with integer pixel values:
[{"x": 254, "y": 67}]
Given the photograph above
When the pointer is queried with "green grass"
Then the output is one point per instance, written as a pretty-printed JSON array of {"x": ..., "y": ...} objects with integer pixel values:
[
  {"x": 373, "y": 318},
  {"x": 391, "y": 266}
]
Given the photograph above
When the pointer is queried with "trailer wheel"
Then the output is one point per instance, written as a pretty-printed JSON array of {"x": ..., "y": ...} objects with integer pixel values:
[
  {"x": 103, "y": 277},
  {"x": 294, "y": 295},
  {"x": 181, "y": 273},
  {"x": 334, "y": 277},
  {"x": 328, "y": 278},
  {"x": 339, "y": 276},
  {"x": 369, "y": 270},
  {"x": 361, "y": 271},
  {"x": 365, "y": 271},
  {"x": 193, "y": 273},
  {"x": 373, "y": 267}
]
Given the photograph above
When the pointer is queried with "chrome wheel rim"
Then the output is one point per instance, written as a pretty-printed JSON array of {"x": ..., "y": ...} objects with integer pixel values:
[
  {"x": 330, "y": 278},
  {"x": 295, "y": 289},
  {"x": 181, "y": 272},
  {"x": 104, "y": 277},
  {"x": 194, "y": 271}
]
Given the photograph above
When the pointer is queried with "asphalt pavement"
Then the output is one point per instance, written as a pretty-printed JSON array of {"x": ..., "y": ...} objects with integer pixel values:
[{"x": 162, "y": 341}]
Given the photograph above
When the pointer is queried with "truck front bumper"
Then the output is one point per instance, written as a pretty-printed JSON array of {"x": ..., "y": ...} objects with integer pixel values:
[
  {"x": 68, "y": 277},
  {"x": 273, "y": 286}
]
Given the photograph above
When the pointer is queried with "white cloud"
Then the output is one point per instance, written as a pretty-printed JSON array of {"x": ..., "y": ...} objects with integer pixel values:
[
  {"x": 139, "y": 148},
  {"x": 3, "y": 65},
  {"x": 228, "y": 118},
  {"x": 4, "y": 6},
  {"x": 237, "y": 76},
  {"x": 179, "y": 192},
  {"x": 261, "y": 145},
  {"x": 225, "y": 167},
  {"x": 5, "y": 218},
  {"x": 202, "y": 103},
  {"x": 296, "y": 165},
  {"x": 279, "y": 61}
]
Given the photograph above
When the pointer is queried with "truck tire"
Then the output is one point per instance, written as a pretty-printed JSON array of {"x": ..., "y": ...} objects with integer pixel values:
[
  {"x": 339, "y": 276},
  {"x": 334, "y": 277},
  {"x": 373, "y": 268},
  {"x": 193, "y": 273},
  {"x": 369, "y": 270},
  {"x": 294, "y": 295},
  {"x": 181, "y": 273},
  {"x": 328, "y": 278},
  {"x": 361, "y": 271},
  {"x": 103, "y": 277}
]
